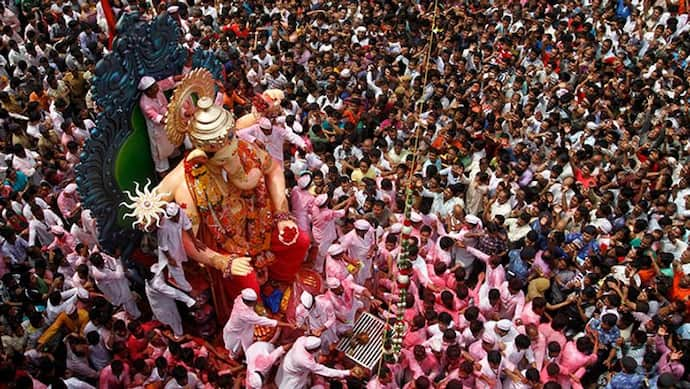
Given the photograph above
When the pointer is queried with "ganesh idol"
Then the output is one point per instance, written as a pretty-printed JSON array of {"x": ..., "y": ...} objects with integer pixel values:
[{"x": 232, "y": 191}]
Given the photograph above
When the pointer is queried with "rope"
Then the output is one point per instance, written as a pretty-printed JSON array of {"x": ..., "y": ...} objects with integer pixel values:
[{"x": 397, "y": 333}]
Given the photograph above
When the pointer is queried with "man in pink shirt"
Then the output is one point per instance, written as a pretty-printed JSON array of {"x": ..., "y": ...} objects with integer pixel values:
[
  {"x": 68, "y": 202},
  {"x": 154, "y": 106},
  {"x": 261, "y": 356},
  {"x": 480, "y": 348},
  {"x": 63, "y": 240},
  {"x": 416, "y": 333},
  {"x": 301, "y": 201},
  {"x": 344, "y": 297},
  {"x": 114, "y": 376},
  {"x": 441, "y": 251},
  {"x": 533, "y": 311},
  {"x": 238, "y": 332},
  {"x": 512, "y": 299},
  {"x": 553, "y": 332},
  {"x": 576, "y": 356},
  {"x": 495, "y": 273},
  {"x": 323, "y": 227},
  {"x": 419, "y": 361},
  {"x": 337, "y": 262},
  {"x": 490, "y": 304}
]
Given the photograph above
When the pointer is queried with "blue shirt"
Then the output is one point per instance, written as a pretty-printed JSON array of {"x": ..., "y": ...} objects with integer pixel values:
[
  {"x": 19, "y": 182},
  {"x": 622, "y": 10},
  {"x": 592, "y": 245},
  {"x": 517, "y": 266},
  {"x": 625, "y": 381},
  {"x": 606, "y": 337}
]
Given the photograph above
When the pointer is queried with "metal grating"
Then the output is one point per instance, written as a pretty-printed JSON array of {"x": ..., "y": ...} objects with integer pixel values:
[{"x": 366, "y": 355}]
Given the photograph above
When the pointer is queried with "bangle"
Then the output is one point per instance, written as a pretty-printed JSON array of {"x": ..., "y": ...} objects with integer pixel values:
[
  {"x": 224, "y": 264},
  {"x": 281, "y": 216}
]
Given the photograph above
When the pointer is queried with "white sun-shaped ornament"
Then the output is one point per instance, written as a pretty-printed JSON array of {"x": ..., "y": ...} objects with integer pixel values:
[{"x": 147, "y": 205}]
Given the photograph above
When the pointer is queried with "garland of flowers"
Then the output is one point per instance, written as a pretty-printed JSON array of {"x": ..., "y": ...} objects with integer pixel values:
[{"x": 393, "y": 337}]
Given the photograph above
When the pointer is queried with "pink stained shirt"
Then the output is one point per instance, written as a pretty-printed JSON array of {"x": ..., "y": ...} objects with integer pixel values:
[
  {"x": 453, "y": 312},
  {"x": 437, "y": 281},
  {"x": 301, "y": 202},
  {"x": 154, "y": 109},
  {"x": 564, "y": 381},
  {"x": 495, "y": 276},
  {"x": 239, "y": 329},
  {"x": 437, "y": 254},
  {"x": 336, "y": 268},
  {"x": 572, "y": 361},
  {"x": 108, "y": 380},
  {"x": 67, "y": 204},
  {"x": 528, "y": 316},
  {"x": 66, "y": 243},
  {"x": 347, "y": 304},
  {"x": 552, "y": 335},
  {"x": 323, "y": 224},
  {"x": 511, "y": 304},
  {"x": 477, "y": 351},
  {"x": 414, "y": 338},
  {"x": 375, "y": 383},
  {"x": 420, "y": 368}
]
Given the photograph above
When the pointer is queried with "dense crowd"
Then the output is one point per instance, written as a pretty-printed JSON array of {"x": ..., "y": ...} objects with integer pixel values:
[{"x": 545, "y": 143}]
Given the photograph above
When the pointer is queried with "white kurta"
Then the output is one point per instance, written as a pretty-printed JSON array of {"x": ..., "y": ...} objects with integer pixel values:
[
  {"x": 274, "y": 141},
  {"x": 170, "y": 240},
  {"x": 39, "y": 230},
  {"x": 239, "y": 330},
  {"x": 347, "y": 304},
  {"x": 262, "y": 350},
  {"x": 299, "y": 364},
  {"x": 154, "y": 110},
  {"x": 69, "y": 298},
  {"x": 321, "y": 315},
  {"x": 162, "y": 299},
  {"x": 112, "y": 282}
]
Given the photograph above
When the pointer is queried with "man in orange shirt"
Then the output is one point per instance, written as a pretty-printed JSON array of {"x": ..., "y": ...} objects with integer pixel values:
[
  {"x": 680, "y": 290},
  {"x": 39, "y": 96},
  {"x": 231, "y": 95}
]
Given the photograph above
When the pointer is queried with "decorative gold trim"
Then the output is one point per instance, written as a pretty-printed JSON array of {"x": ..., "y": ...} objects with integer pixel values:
[{"x": 197, "y": 83}]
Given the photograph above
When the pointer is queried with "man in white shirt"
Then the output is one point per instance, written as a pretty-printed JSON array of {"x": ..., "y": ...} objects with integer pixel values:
[
  {"x": 162, "y": 297},
  {"x": 13, "y": 247},
  {"x": 272, "y": 137},
  {"x": 39, "y": 225},
  {"x": 170, "y": 249}
]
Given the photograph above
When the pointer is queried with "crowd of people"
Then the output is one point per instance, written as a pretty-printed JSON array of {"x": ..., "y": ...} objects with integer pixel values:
[{"x": 542, "y": 145}]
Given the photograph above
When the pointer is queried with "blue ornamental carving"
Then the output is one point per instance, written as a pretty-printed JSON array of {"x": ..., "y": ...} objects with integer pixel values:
[{"x": 117, "y": 154}]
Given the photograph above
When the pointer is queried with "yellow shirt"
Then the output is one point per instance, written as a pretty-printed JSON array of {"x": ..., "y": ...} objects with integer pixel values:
[
  {"x": 358, "y": 175},
  {"x": 72, "y": 325}
]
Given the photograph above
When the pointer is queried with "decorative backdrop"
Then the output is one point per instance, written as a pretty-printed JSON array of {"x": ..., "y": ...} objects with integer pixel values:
[{"x": 117, "y": 155}]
